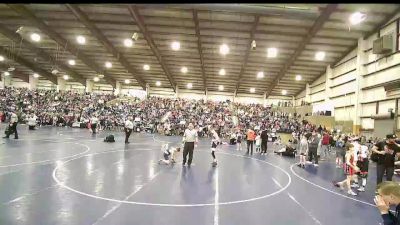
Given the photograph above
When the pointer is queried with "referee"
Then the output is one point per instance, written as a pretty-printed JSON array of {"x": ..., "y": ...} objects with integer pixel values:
[
  {"x": 189, "y": 137},
  {"x": 128, "y": 129}
]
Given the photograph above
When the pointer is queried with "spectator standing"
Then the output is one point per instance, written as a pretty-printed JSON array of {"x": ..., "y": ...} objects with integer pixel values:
[
  {"x": 325, "y": 146},
  {"x": 251, "y": 135},
  {"x": 387, "y": 151},
  {"x": 313, "y": 148},
  {"x": 13, "y": 126},
  {"x": 264, "y": 142}
]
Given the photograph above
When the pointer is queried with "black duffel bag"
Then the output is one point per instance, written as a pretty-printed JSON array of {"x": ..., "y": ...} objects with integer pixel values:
[{"x": 109, "y": 138}]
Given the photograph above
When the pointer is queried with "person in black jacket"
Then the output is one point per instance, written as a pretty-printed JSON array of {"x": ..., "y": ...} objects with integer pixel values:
[
  {"x": 388, "y": 194},
  {"x": 264, "y": 141},
  {"x": 387, "y": 150}
]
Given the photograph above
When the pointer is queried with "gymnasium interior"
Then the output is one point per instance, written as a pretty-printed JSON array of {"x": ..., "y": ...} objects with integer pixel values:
[{"x": 75, "y": 75}]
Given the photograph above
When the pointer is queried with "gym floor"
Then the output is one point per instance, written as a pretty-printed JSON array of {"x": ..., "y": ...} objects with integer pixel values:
[{"x": 54, "y": 176}]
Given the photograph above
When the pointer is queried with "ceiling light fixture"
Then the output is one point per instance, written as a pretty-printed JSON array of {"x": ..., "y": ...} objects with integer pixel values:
[
  {"x": 108, "y": 64},
  {"x": 298, "y": 77},
  {"x": 146, "y": 67},
  {"x": 272, "y": 52},
  {"x": 35, "y": 37},
  {"x": 128, "y": 42},
  {"x": 319, "y": 56},
  {"x": 357, "y": 18},
  {"x": 284, "y": 92},
  {"x": 71, "y": 62},
  {"x": 96, "y": 79},
  {"x": 221, "y": 87},
  {"x": 224, "y": 49},
  {"x": 81, "y": 40},
  {"x": 260, "y": 74},
  {"x": 66, "y": 77},
  {"x": 158, "y": 83},
  {"x": 252, "y": 90},
  {"x": 2, "y": 58},
  {"x": 127, "y": 81},
  {"x": 189, "y": 85},
  {"x": 222, "y": 72},
  {"x": 184, "y": 69},
  {"x": 176, "y": 45},
  {"x": 35, "y": 75}
]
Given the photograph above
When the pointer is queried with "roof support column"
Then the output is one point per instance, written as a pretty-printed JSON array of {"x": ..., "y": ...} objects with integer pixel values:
[
  {"x": 33, "y": 82},
  {"x": 176, "y": 91},
  {"x": 117, "y": 89},
  {"x": 89, "y": 85},
  {"x": 61, "y": 84},
  {"x": 307, "y": 99},
  {"x": 147, "y": 90},
  {"x": 360, "y": 71}
]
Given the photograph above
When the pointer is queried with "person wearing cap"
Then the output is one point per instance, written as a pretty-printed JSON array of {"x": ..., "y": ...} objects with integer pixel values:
[{"x": 387, "y": 150}]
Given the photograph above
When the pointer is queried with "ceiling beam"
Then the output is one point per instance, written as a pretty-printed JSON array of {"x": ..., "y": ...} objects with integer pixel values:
[
  {"x": 246, "y": 58},
  {"x": 15, "y": 37},
  {"x": 247, "y": 9},
  {"x": 133, "y": 10},
  {"x": 35, "y": 21},
  {"x": 199, "y": 48},
  {"x": 82, "y": 17},
  {"x": 366, "y": 36},
  {"x": 30, "y": 65},
  {"x": 318, "y": 24}
]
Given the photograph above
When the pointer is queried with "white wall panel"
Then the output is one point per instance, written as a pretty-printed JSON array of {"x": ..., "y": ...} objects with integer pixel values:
[
  {"x": 344, "y": 78},
  {"x": 317, "y": 88},
  {"x": 318, "y": 97},
  {"x": 344, "y": 100},
  {"x": 385, "y": 76},
  {"x": 374, "y": 94},
  {"x": 368, "y": 109},
  {"x": 344, "y": 114},
  {"x": 385, "y": 105},
  {"x": 345, "y": 67},
  {"x": 343, "y": 89},
  {"x": 367, "y": 123}
]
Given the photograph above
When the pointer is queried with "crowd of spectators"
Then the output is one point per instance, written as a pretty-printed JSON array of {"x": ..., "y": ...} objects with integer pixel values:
[{"x": 163, "y": 115}]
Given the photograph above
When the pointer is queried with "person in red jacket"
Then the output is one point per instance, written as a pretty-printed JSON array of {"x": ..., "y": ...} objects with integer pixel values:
[{"x": 325, "y": 146}]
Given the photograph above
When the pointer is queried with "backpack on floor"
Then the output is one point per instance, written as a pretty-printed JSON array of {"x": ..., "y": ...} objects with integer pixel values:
[{"x": 109, "y": 138}]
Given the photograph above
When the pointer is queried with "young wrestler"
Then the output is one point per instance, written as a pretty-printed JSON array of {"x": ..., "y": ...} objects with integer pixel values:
[
  {"x": 214, "y": 143},
  {"x": 350, "y": 169},
  {"x": 169, "y": 154}
]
